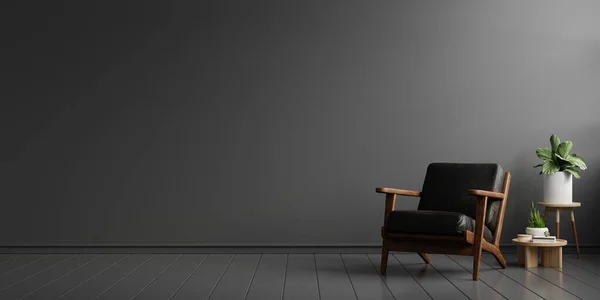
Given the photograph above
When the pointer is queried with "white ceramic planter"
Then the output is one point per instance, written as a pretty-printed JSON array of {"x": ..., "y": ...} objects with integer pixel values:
[
  {"x": 558, "y": 188},
  {"x": 537, "y": 231}
]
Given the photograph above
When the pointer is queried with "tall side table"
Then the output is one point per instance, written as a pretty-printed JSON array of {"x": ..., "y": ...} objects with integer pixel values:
[{"x": 557, "y": 207}]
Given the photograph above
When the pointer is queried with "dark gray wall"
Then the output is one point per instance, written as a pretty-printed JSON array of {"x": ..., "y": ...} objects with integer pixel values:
[{"x": 258, "y": 123}]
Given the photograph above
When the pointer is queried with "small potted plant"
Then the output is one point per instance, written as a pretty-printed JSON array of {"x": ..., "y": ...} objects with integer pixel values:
[
  {"x": 537, "y": 225},
  {"x": 559, "y": 167}
]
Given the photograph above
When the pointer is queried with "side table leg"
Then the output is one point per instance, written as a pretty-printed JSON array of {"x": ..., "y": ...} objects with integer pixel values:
[
  {"x": 574, "y": 231},
  {"x": 531, "y": 257},
  {"x": 557, "y": 222},
  {"x": 552, "y": 257}
]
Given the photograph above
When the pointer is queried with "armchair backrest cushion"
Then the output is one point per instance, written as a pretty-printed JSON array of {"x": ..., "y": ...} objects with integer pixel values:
[{"x": 446, "y": 188}]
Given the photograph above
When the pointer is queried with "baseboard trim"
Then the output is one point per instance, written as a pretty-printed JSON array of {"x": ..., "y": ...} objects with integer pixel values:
[{"x": 337, "y": 248}]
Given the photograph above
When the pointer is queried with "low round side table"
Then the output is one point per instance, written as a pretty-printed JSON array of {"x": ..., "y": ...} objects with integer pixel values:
[
  {"x": 563, "y": 206},
  {"x": 527, "y": 253}
]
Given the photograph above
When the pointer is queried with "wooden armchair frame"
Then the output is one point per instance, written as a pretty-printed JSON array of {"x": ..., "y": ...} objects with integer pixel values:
[{"x": 470, "y": 243}]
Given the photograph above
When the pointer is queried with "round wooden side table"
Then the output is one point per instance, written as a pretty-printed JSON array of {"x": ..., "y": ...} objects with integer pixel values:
[
  {"x": 527, "y": 253},
  {"x": 558, "y": 207}
]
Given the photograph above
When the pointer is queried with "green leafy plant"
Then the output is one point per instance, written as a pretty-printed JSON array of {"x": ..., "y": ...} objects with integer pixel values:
[
  {"x": 536, "y": 219},
  {"x": 557, "y": 158}
]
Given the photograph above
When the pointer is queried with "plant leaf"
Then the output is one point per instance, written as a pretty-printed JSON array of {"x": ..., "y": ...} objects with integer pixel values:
[
  {"x": 554, "y": 142},
  {"x": 564, "y": 148},
  {"x": 577, "y": 161},
  {"x": 550, "y": 167},
  {"x": 536, "y": 219},
  {"x": 563, "y": 163},
  {"x": 575, "y": 173},
  {"x": 536, "y": 166},
  {"x": 544, "y": 153}
]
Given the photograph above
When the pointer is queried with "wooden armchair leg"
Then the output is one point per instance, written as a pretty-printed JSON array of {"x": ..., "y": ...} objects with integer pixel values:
[
  {"x": 476, "y": 263},
  {"x": 384, "y": 258},
  {"x": 425, "y": 257},
  {"x": 498, "y": 256},
  {"x": 478, "y": 245}
]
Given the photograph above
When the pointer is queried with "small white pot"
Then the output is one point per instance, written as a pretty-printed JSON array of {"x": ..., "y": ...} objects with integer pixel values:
[
  {"x": 537, "y": 231},
  {"x": 558, "y": 188}
]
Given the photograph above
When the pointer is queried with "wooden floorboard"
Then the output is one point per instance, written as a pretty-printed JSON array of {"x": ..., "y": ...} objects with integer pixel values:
[
  {"x": 31, "y": 269},
  {"x": 269, "y": 278},
  {"x": 53, "y": 290},
  {"x": 509, "y": 288},
  {"x": 583, "y": 275},
  {"x": 320, "y": 276},
  {"x": 301, "y": 278},
  {"x": 204, "y": 280},
  {"x": 463, "y": 280},
  {"x": 334, "y": 282},
  {"x": 6, "y": 257},
  {"x": 137, "y": 281},
  {"x": 567, "y": 283},
  {"x": 586, "y": 261},
  {"x": 18, "y": 261},
  {"x": 106, "y": 278},
  {"x": 236, "y": 281},
  {"x": 436, "y": 285},
  {"x": 364, "y": 278},
  {"x": 400, "y": 283},
  {"x": 169, "y": 282},
  {"x": 571, "y": 278},
  {"x": 531, "y": 281},
  {"x": 48, "y": 276}
]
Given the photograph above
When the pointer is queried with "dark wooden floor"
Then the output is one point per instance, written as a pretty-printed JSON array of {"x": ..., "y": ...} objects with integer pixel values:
[{"x": 286, "y": 276}]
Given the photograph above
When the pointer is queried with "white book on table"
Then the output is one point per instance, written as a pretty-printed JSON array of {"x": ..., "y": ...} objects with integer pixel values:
[{"x": 541, "y": 238}]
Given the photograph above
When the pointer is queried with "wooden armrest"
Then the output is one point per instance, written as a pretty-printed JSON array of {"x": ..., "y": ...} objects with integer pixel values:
[
  {"x": 385, "y": 190},
  {"x": 486, "y": 194}
]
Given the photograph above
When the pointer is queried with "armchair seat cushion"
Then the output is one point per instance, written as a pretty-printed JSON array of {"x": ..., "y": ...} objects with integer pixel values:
[{"x": 433, "y": 223}]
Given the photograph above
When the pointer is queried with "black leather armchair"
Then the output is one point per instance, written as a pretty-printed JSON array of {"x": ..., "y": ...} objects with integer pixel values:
[{"x": 461, "y": 211}]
